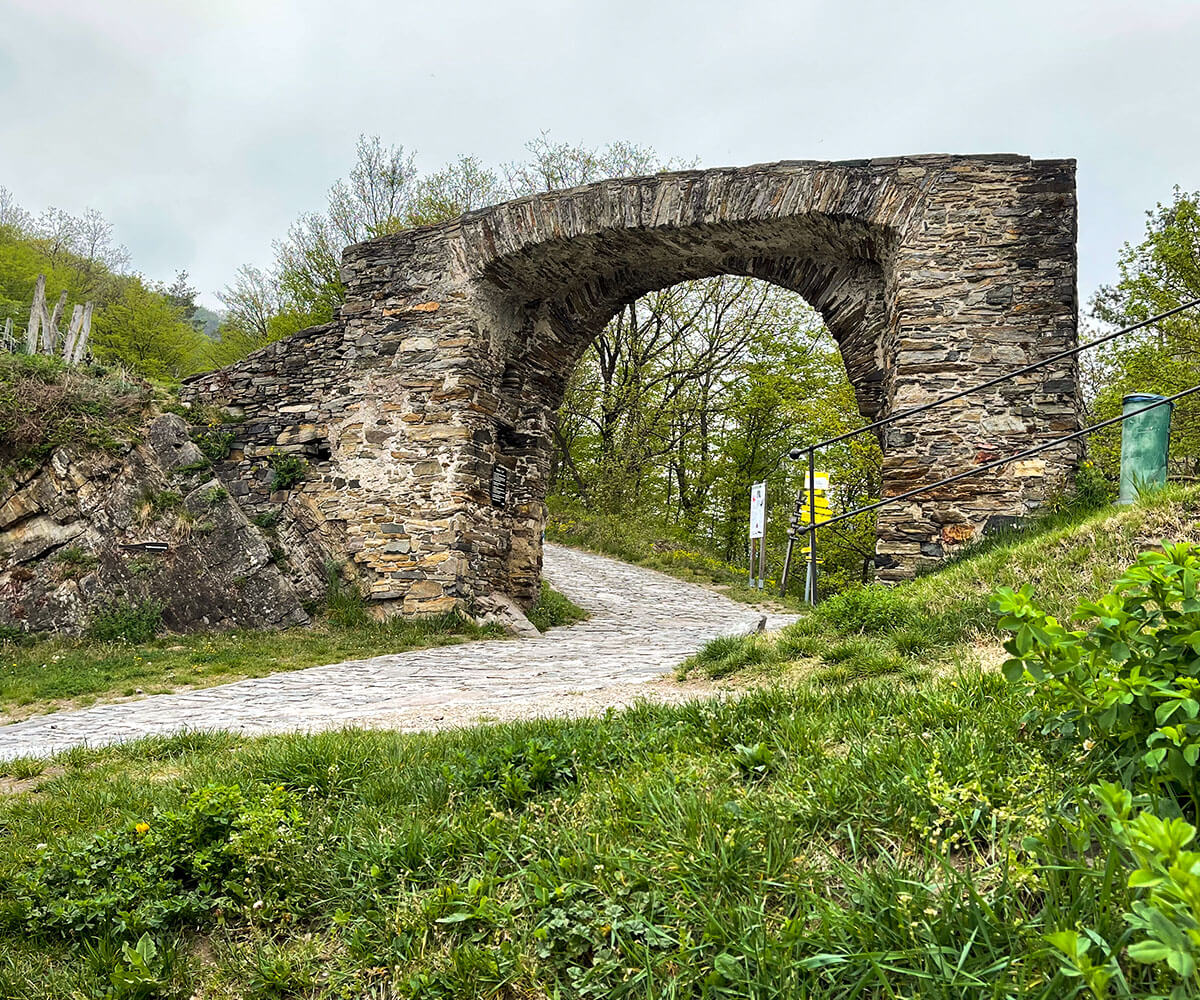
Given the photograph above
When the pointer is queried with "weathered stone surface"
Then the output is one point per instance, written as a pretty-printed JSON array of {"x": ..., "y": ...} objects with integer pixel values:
[
  {"x": 452, "y": 351},
  {"x": 71, "y": 536}
]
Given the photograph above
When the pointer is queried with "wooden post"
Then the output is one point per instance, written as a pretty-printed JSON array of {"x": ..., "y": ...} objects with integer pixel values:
[
  {"x": 8, "y": 334},
  {"x": 35, "y": 315},
  {"x": 50, "y": 334},
  {"x": 85, "y": 331},
  {"x": 73, "y": 332}
]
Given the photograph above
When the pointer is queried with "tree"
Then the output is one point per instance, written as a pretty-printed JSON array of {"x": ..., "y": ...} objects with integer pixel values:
[
  {"x": 145, "y": 331},
  {"x": 459, "y": 187},
  {"x": 1156, "y": 275}
]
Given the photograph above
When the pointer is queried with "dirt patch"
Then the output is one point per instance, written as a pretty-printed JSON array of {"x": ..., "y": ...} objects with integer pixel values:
[{"x": 19, "y": 786}]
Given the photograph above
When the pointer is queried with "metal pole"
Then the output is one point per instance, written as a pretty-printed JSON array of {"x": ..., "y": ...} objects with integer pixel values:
[
  {"x": 787, "y": 561},
  {"x": 762, "y": 544},
  {"x": 812, "y": 527}
]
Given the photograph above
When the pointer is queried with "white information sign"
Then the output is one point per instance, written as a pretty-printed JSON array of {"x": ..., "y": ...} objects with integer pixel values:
[{"x": 758, "y": 509}]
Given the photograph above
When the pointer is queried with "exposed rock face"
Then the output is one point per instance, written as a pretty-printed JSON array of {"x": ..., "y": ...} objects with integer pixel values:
[
  {"x": 72, "y": 536},
  {"x": 425, "y": 409}
]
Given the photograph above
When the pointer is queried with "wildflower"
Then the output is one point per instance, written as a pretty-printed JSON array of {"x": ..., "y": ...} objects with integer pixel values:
[
  {"x": 142, "y": 827},
  {"x": 258, "y": 904}
]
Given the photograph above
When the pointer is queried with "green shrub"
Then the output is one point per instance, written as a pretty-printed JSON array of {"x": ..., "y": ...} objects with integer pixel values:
[
  {"x": 124, "y": 621},
  {"x": 221, "y": 852},
  {"x": 288, "y": 470},
  {"x": 215, "y": 444},
  {"x": 1130, "y": 681},
  {"x": 866, "y": 611},
  {"x": 215, "y": 495}
]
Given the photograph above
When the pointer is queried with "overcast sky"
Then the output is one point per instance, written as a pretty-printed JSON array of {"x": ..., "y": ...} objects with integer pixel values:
[{"x": 202, "y": 129}]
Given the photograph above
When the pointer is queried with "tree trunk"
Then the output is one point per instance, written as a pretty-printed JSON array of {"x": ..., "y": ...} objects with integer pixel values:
[
  {"x": 35, "y": 315},
  {"x": 50, "y": 334},
  {"x": 73, "y": 332},
  {"x": 84, "y": 332}
]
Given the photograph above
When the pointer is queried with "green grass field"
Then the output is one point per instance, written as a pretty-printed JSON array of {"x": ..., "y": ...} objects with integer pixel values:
[{"x": 878, "y": 822}]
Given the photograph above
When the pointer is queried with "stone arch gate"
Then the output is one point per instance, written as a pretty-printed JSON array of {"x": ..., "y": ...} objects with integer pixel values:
[{"x": 424, "y": 409}]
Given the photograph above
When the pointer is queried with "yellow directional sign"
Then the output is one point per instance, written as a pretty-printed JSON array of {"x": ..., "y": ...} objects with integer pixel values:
[{"x": 821, "y": 501}]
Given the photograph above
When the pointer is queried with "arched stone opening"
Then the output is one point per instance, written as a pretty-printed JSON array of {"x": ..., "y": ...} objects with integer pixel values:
[
  {"x": 451, "y": 351},
  {"x": 554, "y": 300}
]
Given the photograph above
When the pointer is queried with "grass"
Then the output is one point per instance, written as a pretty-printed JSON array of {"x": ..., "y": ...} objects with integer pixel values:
[
  {"x": 845, "y": 835},
  {"x": 660, "y": 548},
  {"x": 554, "y": 610},
  {"x": 68, "y": 673},
  {"x": 45, "y": 404},
  {"x": 942, "y": 618},
  {"x": 794, "y": 843}
]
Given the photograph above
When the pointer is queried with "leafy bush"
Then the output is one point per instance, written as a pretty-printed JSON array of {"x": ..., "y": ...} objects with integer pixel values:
[
  {"x": 124, "y": 621},
  {"x": 215, "y": 444},
  {"x": 222, "y": 852},
  {"x": 288, "y": 470},
  {"x": 1131, "y": 681},
  {"x": 866, "y": 610}
]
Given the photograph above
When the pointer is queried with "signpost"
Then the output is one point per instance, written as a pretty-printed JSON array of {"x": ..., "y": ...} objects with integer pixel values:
[
  {"x": 758, "y": 530},
  {"x": 811, "y": 509}
]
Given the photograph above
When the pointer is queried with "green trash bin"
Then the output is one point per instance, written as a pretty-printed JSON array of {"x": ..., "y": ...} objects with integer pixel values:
[{"x": 1144, "y": 441}]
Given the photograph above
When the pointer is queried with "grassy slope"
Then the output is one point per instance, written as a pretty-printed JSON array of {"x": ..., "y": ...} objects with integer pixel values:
[
  {"x": 815, "y": 840},
  {"x": 943, "y": 618},
  {"x": 70, "y": 673}
]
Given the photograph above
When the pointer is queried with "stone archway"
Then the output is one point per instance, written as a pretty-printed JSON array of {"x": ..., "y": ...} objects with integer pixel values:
[{"x": 425, "y": 407}]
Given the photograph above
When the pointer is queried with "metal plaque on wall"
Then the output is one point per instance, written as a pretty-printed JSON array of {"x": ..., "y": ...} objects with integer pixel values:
[{"x": 499, "y": 485}]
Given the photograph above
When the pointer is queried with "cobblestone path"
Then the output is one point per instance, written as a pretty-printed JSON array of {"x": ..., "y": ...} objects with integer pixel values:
[{"x": 642, "y": 625}]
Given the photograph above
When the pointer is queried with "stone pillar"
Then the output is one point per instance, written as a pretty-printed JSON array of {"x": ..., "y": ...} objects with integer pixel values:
[{"x": 985, "y": 285}]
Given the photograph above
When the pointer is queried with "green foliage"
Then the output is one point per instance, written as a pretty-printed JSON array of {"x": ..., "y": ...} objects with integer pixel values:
[
  {"x": 1155, "y": 275},
  {"x": 214, "y": 496},
  {"x": 222, "y": 850},
  {"x": 345, "y": 606},
  {"x": 554, "y": 609},
  {"x": 519, "y": 769},
  {"x": 160, "y": 502},
  {"x": 140, "y": 972},
  {"x": 125, "y": 621},
  {"x": 214, "y": 443},
  {"x": 1128, "y": 682},
  {"x": 287, "y": 470},
  {"x": 74, "y": 562},
  {"x": 144, "y": 331}
]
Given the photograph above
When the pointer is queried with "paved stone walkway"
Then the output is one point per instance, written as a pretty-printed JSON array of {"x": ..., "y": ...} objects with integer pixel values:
[{"x": 642, "y": 624}]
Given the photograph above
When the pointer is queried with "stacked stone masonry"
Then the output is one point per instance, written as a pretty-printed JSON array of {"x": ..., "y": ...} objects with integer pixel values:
[{"x": 450, "y": 355}]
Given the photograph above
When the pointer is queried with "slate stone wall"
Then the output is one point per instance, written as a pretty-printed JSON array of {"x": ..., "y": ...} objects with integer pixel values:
[{"x": 441, "y": 376}]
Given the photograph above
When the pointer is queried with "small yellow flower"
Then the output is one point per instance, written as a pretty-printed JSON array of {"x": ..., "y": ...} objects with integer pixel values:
[{"x": 142, "y": 827}]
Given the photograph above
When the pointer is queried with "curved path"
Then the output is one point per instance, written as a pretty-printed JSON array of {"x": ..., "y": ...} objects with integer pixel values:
[{"x": 642, "y": 624}]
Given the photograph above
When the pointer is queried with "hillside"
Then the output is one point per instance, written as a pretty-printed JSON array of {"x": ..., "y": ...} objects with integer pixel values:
[
  {"x": 943, "y": 617},
  {"x": 814, "y": 838}
]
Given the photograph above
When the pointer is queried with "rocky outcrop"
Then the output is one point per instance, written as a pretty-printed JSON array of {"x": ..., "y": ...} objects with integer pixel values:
[{"x": 90, "y": 529}]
